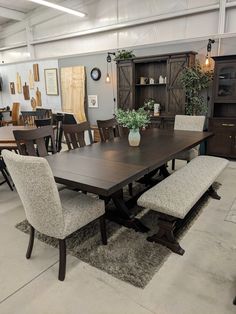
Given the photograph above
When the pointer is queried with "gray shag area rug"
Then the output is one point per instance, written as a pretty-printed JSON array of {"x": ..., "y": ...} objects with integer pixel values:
[
  {"x": 231, "y": 215},
  {"x": 128, "y": 255}
]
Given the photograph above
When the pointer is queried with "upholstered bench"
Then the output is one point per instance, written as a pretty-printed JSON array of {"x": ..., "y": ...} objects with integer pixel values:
[{"x": 174, "y": 197}]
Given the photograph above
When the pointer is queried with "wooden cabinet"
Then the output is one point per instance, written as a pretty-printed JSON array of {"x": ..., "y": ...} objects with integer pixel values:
[
  {"x": 223, "y": 120},
  {"x": 224, "y": 141},
  {"x": 138, "y": 80}
]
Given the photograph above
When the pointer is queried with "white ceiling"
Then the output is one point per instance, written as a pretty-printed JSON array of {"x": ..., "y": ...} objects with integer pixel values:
[{"x": 18, "y": 6}]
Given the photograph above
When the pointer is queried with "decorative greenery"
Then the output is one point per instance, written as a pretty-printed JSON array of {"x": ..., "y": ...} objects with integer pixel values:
[
  {"x": 124, "y": 54},
  {"x": 149, "y": 104},
  {"x": 133, "y": 119},
  {"x": 195, "y": 80}
]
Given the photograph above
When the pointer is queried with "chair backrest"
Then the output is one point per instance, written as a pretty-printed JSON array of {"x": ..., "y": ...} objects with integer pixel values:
[
  {"x": 15, "y": 112},
  {"x": 38, "y": 192},
  {"x": 75, "y": 134},
  {"x": 29, "y": 117},
  {"x": 43, "y": 122},
  {"x": 44, "y": 113},
  {"x": 108, "y": 129},
  {"x": 189, "y": 123},
  {"x": 34, "y": 142}
]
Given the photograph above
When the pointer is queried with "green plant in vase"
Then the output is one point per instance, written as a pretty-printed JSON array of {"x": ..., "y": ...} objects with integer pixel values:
[
  {"x": 195, "y": 80},
  {"x": 149, "y": 104},
  {"x": 133, "y": 120},
  {"x": 124, "y": 54}
]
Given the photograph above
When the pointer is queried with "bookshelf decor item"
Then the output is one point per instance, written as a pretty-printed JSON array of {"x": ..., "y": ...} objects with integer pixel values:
[{"x": 51, "y": 82}]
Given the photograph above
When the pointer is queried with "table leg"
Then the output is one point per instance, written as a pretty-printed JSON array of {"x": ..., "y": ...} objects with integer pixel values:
[
  {"x": 234, "y": 302},
  {"x": 123, "y": 216},
  {"x": 164, "y": 171}
]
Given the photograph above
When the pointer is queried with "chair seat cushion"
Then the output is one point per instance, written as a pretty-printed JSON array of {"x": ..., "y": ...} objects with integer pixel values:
[
  {"x": 188, "y": 154},
  {"x": 177, "y": 194},
  {"x": 79, "y": 209}
]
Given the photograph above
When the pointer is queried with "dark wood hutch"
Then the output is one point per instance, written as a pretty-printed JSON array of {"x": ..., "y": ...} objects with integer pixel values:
[
  {"x": 223, "y": 109},
  {"x": 169, "y": 93}
]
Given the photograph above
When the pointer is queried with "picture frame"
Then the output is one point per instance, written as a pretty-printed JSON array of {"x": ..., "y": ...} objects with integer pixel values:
[
  {"x": 93, "y": 101},
  {"x": 51, "y": 82}
]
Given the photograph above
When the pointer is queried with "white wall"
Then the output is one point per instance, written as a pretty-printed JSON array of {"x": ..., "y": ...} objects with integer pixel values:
[
  {"x": 8, "y": 74},
  {"x": 112, "y": 25}
]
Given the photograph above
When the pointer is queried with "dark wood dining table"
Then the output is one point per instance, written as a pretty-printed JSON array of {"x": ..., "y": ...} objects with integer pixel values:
[{"x": 106, "y": 168}]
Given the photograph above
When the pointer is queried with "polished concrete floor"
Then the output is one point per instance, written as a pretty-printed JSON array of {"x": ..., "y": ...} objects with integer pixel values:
[{"x": 203, "y": 281}]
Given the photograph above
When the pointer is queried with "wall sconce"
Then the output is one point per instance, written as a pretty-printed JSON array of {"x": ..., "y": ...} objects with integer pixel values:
[
  {"x": 208, "y": 56},
  {"x": 108, "y": 79}
]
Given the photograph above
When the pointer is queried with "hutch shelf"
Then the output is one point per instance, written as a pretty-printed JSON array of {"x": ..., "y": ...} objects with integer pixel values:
[{"x": 138, "y": 79}]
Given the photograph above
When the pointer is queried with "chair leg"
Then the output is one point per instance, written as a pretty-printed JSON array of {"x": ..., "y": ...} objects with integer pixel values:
[
  {"x": 103, "y": 229},
  {"x": 62, "y": 259},
  {"x": 173, "y": 164},
  {"x": 6, "y": 179},
  {"x": 31, "y": 243},
  {"x": 130, "y": 189}
]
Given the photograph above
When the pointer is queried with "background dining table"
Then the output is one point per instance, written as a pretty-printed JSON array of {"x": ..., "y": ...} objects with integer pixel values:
[{"x": 7, "y": 140}]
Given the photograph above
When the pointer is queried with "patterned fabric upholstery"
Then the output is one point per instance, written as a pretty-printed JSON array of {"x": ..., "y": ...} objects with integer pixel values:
[
  {"x": 189, "y": 123},
  {"x": 44, "y": 209},
  {"x": 177, "y": 194}
]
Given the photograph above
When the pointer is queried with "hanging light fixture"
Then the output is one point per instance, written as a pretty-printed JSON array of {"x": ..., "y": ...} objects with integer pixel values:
[
  {"x": 208, "y": 55},
  {"x": 108, "y": 78}
]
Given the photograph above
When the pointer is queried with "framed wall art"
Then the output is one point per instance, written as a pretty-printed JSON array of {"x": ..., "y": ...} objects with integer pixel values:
[
  {"x": 51, "y": 82},
  {"x": 93, "y": 101}
]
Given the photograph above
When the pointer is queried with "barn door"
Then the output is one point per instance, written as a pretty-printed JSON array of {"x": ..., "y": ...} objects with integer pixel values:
[
  {"x": 176, "y": 94},
  {"x": 125, "y": 84}
]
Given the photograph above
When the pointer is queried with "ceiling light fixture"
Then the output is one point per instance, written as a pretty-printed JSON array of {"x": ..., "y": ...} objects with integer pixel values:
[{"x": 58, "y": 7}]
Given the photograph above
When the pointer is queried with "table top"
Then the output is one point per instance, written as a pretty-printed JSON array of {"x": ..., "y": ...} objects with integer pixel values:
[
  {"x": 6, "y": 133},
  {"x": 105, "y": 168}
]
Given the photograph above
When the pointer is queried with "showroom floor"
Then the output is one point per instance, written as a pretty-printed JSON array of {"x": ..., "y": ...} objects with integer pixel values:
[{"x": 202, "y": 281}]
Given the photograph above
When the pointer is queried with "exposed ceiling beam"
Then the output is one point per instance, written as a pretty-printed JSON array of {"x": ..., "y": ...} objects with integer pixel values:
[{"x": 11, "y": 14}]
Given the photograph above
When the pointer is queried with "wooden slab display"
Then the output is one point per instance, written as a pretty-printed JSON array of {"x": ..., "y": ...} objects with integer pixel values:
[
  {"x": 12, "y": 88},
  {"x": 18, "y": 83},
  {"x": 38, "y": 98},
  {"x": 36, "y": 72},
  {"x": 26, "y": 92},
  {"x": 33, "y": 103},
  {"x": 73, "y": 91},
  {"x": 31, "y": 79}
]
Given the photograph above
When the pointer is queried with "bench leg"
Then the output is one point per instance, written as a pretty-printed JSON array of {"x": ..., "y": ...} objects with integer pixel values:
[
  {"x": 212, "y": 192},
  {"x": 165, "y": 236}
]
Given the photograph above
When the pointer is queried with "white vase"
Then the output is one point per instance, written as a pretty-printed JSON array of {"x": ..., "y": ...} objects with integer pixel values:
[{"x": 134, "y": 137}]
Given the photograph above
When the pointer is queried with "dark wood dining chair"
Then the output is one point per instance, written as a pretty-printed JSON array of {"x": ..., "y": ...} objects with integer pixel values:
[
  {"x": 43, "y": 122},
  {"x": 34, "y": 142},
  {"x": 75, "y": 134},
  {"x": 108, "y": 129}
]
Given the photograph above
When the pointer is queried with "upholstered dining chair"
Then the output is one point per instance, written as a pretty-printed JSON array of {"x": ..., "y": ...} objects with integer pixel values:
[
  {"x": 188, "y": 123},
  {"x": 15, "y": 115},
  {"x": 108, "y": 129},
  {"x": 54, "y": 214},
  {"x": 75, "y": 134},
  {"x": 35, "y": 142}
]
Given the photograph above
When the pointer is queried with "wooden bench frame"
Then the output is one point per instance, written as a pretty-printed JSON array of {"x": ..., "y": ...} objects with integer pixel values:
[{"x": 170, "y": 225}]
